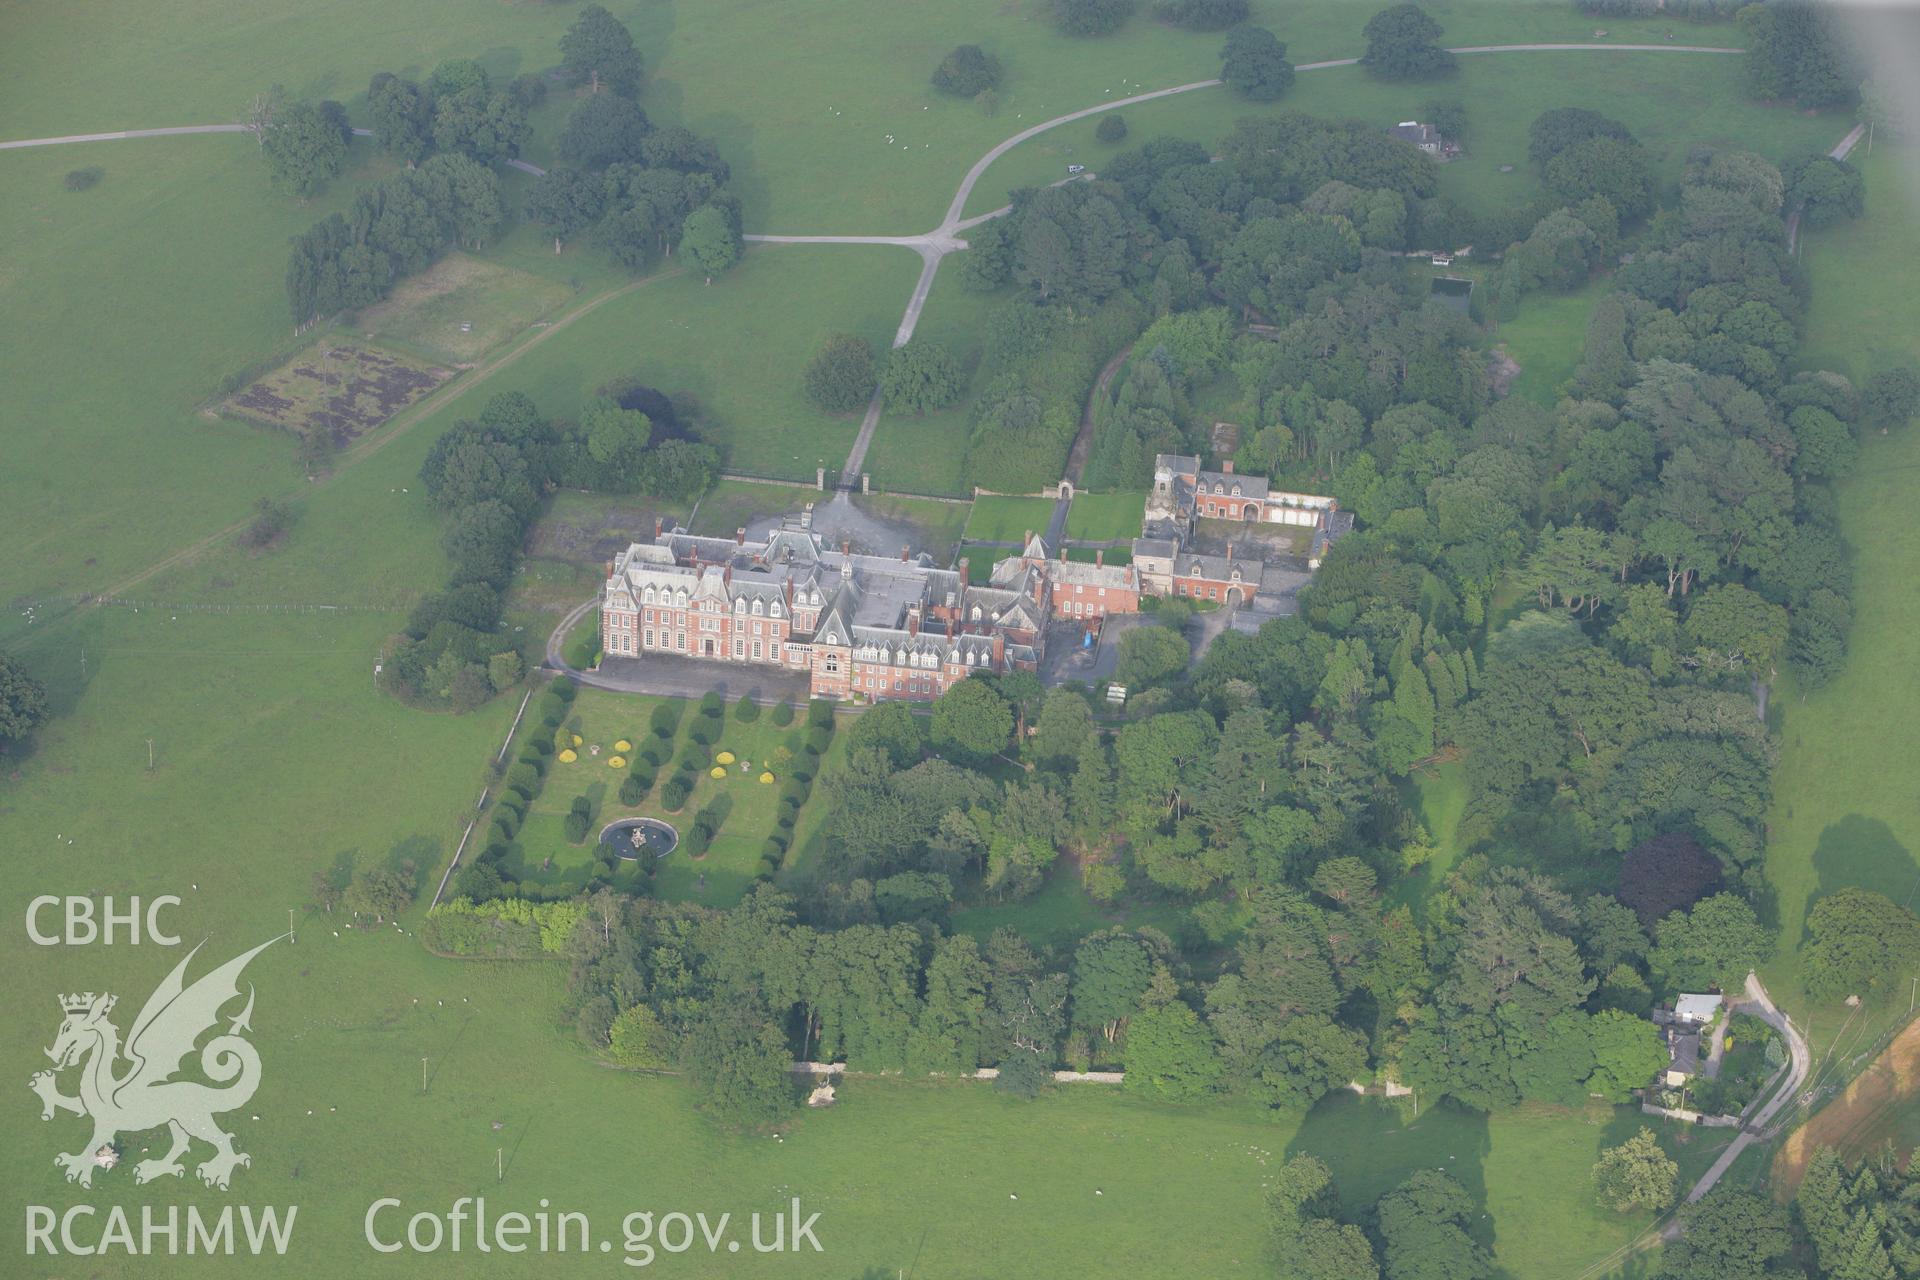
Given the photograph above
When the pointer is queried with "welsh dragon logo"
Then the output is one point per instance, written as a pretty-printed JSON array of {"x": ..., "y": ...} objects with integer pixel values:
[{"x": 144, "y": 1094}]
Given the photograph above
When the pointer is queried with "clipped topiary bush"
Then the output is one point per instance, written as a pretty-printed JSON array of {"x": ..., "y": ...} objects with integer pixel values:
[
  {"x": 674, "y": 795},
  {"x": 746, "y": 711},
  {"x": 523, "y": 777},
  {"x": 632, "y": 792},
  {"x": 695, "y": 842},
  {"x": 783, "y": 714},
  {"x": 820, "y": 714},
  {"x": 576, "y": 825},
  {"x": 817, "y": 740},
  {"x": 696, "y": 757},
  {"x": 564, "y": 687}
]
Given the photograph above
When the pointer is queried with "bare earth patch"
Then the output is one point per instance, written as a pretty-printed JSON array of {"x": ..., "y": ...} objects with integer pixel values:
[
  {"x": 1873, "y": 1110},
  {"x": 343, "y": 391}
]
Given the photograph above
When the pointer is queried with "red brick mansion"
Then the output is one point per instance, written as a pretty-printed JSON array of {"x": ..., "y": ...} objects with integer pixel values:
[{"x": 899, "y": 627}]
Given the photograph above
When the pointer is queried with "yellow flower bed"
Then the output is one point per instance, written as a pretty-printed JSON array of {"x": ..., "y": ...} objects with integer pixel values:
[
  {"x": 765, "y": 778},
  {"x": 617, "y": 762},
  {"x": 577, "y": 739},
  {"x": 569, "y": 756},
  {"x": 725, "y": 757},
  {"x": 718, "y": 771},
  {"x": 623, "y": 746}
]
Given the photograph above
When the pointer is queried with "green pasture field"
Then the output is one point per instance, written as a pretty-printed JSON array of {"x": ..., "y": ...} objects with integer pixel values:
[
  {"x": 788, "y": 112},
  {"x": 1102, "y": 517},
  {"x": 496, "y": 303},
  {"x": 1008, "y": 520},
  {"x": 1671, "y": 101},
  {"x": 1844, "y": 811}
]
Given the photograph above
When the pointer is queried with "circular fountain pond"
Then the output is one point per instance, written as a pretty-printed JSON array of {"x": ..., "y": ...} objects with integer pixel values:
[{"x": 631, "y": 837}]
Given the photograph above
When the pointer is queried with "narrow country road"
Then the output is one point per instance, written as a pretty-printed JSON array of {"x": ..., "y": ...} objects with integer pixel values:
[{"x": 1799, "y": 1063}]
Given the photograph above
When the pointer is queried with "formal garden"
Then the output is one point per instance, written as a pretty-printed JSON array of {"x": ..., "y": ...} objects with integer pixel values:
[{"x": 728, "y": 781}]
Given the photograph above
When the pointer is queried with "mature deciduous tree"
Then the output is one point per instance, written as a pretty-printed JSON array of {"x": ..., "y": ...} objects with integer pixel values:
[
  {"x": 840, "y": 378},
  {"x": 1403, "y": 44},
  {"x": 1254, "y": 64},
  {"x": 1637, "y": 1174},
  {"x": 598, "y": 51},
  {"x": 919, "y": 377}
]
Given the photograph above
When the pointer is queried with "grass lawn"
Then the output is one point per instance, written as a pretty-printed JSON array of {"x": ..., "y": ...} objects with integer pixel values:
[
  {"x": 1547, "y": 337},
  {"x": 1102, "y": 517},
  {"x": 1669, "y": 100},
  {"x": 1059, "y": 912},
  {"x": 1008, "y": 520},
  {"x": 1844, "y": 812},
  {"x": 1439, "y": 796},
  {"x": 462, "y": 307},
  {"x": 732, "y": 505},
  {"x": 929, "y": 454},
  {"x": 936, "y": 526}
]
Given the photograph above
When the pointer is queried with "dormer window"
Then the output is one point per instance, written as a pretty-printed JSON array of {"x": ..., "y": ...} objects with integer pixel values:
[
  {"x": 758, "y": 608},
  {"x": 976, "y": 613},
  {"x": 774, "y": 608},
  {"x": 1236, "y": 491}
]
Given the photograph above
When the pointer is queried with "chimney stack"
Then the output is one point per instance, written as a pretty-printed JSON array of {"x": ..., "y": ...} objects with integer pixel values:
[
  {"x": 903, "y": 552},
  {"x": 1229, "y": 551},
  {"x": 659, "y": 527},
  {"x": 999, "y": 650},
  {"x": 1099, "y": 558},
  {"x": 1063, "y": 553},
  {"x": 963, "y": 573},
  {"x": 740, "y": 536},
  {"x": 1227, "y": 466},
  {"x": 846, "y": 547}
]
